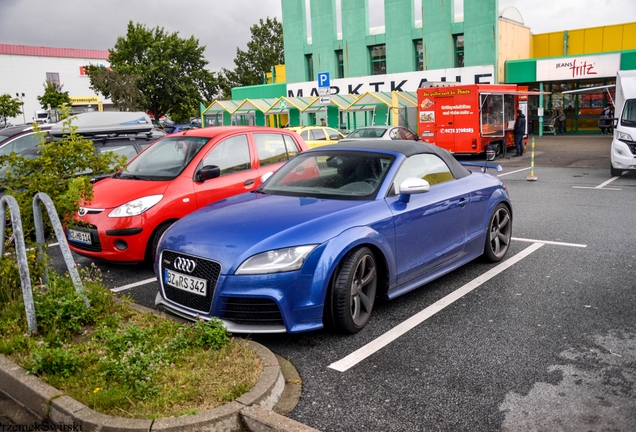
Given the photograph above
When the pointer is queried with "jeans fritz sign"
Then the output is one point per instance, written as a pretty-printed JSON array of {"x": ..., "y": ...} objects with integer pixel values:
[
  {"x": 407, "y": 81},
  {"x": 583, "y": 67}
]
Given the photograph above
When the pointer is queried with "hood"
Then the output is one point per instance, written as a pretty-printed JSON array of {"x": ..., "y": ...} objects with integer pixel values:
[
  {"x": 232, "y": 230},
  {"x": 113, "y": 192}
]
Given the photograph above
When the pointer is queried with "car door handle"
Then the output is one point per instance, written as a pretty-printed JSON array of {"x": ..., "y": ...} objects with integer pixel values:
[
  {"x": 249, "y": 182},
  {"x": 463, "y": 202},
  {"x": 450, "y": 123}
]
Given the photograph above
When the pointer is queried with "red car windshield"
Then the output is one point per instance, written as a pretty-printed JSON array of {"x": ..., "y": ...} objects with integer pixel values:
[{"x": 165, "y": 159}]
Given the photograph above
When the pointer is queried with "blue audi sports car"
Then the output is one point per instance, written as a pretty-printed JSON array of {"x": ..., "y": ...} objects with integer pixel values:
[{"x": 334, "y": 229}]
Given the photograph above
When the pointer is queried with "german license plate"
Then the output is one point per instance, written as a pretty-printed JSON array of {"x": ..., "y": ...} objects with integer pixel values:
[
  {"x": 186, "y": 283},
  {"x": 79, "y": 236}
]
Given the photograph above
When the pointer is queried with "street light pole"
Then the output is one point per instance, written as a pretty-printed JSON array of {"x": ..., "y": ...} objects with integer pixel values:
[{"x": 21, "y": 96}]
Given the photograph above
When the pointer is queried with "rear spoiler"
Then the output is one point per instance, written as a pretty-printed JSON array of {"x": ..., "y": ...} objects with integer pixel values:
[{"x": 483, "y": 165}]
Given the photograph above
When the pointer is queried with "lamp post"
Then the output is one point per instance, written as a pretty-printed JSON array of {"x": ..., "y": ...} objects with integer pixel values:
[{"x": 21, "y": 96}]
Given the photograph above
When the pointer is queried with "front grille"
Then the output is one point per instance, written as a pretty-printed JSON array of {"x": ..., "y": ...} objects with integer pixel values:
[
  {"x": 95, "y": 245},
  {"x": 255, "y": 311},
  {"x": 205, "y": 269}
]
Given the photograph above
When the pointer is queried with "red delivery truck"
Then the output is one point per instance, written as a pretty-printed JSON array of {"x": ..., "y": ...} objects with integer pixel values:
[{"x": 466, "y": 119}]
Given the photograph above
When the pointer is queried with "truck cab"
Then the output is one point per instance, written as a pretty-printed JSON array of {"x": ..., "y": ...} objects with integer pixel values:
[{"x": 623, "y": 151}]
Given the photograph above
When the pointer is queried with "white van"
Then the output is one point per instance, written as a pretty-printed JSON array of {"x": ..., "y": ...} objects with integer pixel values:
[{"x": 623, "y": 152}]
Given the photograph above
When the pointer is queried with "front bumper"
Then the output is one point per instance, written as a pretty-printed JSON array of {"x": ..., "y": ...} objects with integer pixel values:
[
  {"x": 275, "y": 303},
  {"x": 623, "y": 155}
]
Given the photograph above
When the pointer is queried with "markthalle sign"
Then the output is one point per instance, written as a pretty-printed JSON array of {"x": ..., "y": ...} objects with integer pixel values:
[{"x": 406, "y": 81}]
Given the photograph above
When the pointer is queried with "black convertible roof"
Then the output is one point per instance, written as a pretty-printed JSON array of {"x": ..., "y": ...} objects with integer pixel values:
[{"x": 407, "y": 148}]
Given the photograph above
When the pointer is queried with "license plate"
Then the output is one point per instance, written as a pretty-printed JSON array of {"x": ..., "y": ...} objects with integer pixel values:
[
  {"x": 79, "y": 236},
  {"x": 186, "y": 283}
]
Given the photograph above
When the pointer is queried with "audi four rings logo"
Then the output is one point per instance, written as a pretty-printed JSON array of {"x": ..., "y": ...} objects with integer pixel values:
[{"x": 184, "y": 264}]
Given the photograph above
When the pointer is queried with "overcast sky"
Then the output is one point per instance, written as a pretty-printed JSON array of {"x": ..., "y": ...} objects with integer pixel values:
[{"x": 223, "y": 25}]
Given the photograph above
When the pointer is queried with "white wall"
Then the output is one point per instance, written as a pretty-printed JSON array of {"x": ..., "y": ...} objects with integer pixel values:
[{"x": 27, "y": 74}]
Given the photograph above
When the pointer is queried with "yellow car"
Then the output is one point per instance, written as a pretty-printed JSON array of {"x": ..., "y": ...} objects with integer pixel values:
[{"x": 316, "y": 136}]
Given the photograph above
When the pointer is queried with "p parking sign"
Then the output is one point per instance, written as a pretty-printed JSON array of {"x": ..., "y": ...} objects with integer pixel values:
[{"x": 323, "y": 79}]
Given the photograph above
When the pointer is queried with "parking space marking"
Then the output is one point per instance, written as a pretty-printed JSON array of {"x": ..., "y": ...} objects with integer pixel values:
[
  {"x": 134, "y": 284},
  {"x": 601, "y": 186},
  {"x": 549, "y": 242},
  {"x": 513, "y": 172},
  {"x": 362, "y": 353}
]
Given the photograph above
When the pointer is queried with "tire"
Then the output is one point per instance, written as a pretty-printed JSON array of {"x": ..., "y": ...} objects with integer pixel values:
[
  {"x": 154, "y": 242},
  {"x": 499, "y": 234},
  {"x": 615, "y": 172},
  {"x": 352, "y": 292}
]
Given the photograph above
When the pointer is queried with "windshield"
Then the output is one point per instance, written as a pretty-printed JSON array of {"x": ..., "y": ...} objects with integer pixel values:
[
  {"x": 629, "y": 113},
  {"x": 165, "y": 159},
  {"x": 367, "y": 133},
  {"x": 332, "y": 174}
]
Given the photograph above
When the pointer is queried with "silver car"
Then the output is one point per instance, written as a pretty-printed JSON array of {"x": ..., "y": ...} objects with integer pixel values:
[{"x": 382, "y": 132}]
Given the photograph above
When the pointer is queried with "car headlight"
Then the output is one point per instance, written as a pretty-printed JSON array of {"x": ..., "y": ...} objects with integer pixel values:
[
  {"x": 624, "y": 136},
  {"x": 276, "y": 261},
  {"x": 135, "y": 207}
]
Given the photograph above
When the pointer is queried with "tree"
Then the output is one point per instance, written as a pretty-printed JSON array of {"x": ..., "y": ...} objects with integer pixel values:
[
  {"x": 264, "y": 51},
  {"x": 121, "y": 89},
  {"x": 54, "y": 96},
  {"x": 168, "y": 72},
  {"x": 9, "y": 107}
]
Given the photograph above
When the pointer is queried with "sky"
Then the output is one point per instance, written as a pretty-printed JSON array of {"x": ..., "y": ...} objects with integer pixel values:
[{"x": 223, "y": 25}]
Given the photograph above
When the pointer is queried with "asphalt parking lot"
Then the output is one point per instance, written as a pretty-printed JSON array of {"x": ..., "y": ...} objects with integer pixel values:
[{"x": 545, "y": 340}]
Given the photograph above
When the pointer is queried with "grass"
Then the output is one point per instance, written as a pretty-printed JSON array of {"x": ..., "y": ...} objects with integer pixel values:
[{"x": 117, "y": 360}]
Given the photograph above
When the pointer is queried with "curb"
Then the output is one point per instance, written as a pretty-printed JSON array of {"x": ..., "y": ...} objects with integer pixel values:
[{"x": 252, "y": 410}]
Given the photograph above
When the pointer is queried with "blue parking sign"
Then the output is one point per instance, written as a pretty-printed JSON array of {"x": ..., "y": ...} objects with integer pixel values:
[{"x": 323, "y": 79}]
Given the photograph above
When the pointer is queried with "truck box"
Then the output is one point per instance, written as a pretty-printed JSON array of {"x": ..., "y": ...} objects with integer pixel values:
[{"x": 467, "y": 119}]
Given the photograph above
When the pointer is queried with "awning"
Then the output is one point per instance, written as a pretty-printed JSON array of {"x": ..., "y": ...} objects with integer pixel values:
[
  {"x": 515, "y": 92},
  {"x": 283, "y": 104},
  {"x": 261, "y": 105},
  {"x": 219, "y": 106},
  {"x": 395, "y": 99}
]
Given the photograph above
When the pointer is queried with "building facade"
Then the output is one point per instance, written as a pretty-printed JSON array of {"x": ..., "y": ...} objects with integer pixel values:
[{"x": 24, "y": 71}]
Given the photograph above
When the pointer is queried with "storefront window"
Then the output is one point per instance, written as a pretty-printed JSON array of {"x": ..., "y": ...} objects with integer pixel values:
[
  {"x": 378, "y": 59},
  {"x": 459, "y": 50},
  {"x": 309, "y": 59},
  {"x": 340, "y": 63},
  {"x": 419, "y": 55}
]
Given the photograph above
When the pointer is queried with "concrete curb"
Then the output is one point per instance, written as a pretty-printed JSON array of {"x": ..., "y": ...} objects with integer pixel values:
[{"x": 252, "y": 410}]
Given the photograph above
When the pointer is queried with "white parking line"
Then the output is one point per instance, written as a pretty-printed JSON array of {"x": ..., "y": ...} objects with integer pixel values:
[
  {"x": 601, "y": 186},
  {"x": 357, "y": 356},
  {"x": 549, "y": 242},
  {"x": 513, "y": 172},
  {"x": 134, "y": 284}
]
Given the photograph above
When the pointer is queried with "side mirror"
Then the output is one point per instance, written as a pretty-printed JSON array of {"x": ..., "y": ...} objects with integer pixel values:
[
  {"x": 266, "y": 176},
  {"x": 208, "y": 172},
  {"x": 491, "y": 153},
  {"x": 413, "y": 185}
]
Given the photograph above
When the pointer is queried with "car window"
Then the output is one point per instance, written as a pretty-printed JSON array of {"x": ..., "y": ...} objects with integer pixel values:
[
  {"x": 231, "y": 155},
  {"x": 428, "y": 167},
  {"x": 122, "y": 148},
  {"x": 394, "y": 134},
  {"x": 166, "y": 158},
  {"x": 319, "y": 135},
  {"x": 333, "y": 134},
  {"x": 271, "y": 148},
  {"x": 20, "y": 144},
  {"x": 406, "y": 134},
  {"x": 329, "y": 174},
  {"x": 305, "y": 134},
  {"x": 292, "y": 146}
]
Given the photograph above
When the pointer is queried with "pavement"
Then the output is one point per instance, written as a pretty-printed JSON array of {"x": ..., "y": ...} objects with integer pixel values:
[{"x": 25, "y": 400}]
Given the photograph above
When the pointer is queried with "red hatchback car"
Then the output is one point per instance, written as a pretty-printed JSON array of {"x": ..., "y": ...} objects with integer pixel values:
[{"x": 170, "y": 179}]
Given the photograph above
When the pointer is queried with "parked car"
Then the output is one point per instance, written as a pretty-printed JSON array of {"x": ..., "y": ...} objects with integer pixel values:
[
  {"x": 124, "y": 133},
  {"x": 316, "y": 136},
  {"x": 175, "y": 176},
  {"x": 331, "y": 231},
  {"x": 170, "y": 129},
  {"x": 383, "y": 132}
]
